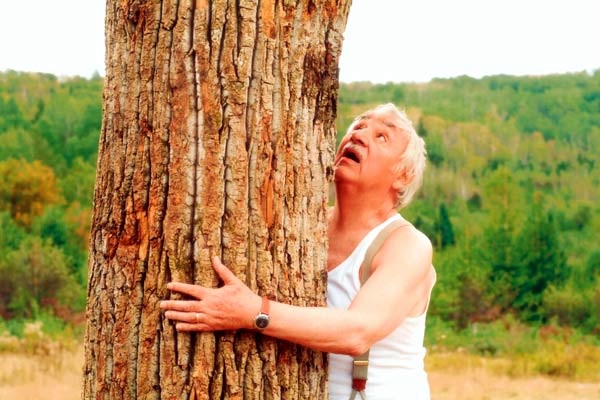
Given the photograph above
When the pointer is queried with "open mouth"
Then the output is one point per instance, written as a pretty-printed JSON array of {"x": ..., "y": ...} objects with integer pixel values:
[{"x": 351, "y": 153}]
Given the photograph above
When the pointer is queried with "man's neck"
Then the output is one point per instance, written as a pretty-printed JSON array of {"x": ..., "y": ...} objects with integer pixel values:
[{"x": 357, "y": 212}]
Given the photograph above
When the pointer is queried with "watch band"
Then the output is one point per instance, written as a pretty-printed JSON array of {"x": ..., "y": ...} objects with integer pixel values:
[
  {"x": 265, "y": 308},
  {"x": 261, "y": 321}
]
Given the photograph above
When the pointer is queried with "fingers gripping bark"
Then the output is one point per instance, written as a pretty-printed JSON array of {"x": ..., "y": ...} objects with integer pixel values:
[
  {"x": 224, "y": 273},
  {"x": 230, "y": 307}
]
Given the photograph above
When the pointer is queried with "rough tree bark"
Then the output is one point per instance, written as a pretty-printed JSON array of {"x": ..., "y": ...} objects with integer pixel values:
[{"x": 217, "y": 139}]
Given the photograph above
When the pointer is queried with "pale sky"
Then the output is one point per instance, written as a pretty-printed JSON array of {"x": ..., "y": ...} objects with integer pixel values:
[{"x": 385, "y": 40}]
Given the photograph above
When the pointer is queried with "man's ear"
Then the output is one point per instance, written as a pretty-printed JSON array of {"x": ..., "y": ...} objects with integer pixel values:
[{"x": 403, "y": 178}]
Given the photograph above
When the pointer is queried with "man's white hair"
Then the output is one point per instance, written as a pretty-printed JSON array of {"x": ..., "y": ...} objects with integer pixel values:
[{"x": 412, "y": 160}]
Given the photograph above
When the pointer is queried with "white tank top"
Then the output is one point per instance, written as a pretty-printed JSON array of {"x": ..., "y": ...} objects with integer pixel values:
[{"x": 395, "y": 362}]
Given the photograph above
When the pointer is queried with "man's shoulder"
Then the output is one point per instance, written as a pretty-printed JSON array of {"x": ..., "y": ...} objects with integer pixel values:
[
  {"x": 408, "y": 235},
  {"x": 409, "y": 245}
]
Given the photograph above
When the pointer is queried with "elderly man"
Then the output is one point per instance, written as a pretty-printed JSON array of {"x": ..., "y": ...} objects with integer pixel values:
[{"x": 378, "y": 168}]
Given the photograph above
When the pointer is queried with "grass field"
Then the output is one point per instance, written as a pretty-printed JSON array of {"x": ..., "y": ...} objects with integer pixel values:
[
  {"x": 57, "y": 375},
  {"x": 454, "y": 376},
  {"x": 41, "y": 377}
]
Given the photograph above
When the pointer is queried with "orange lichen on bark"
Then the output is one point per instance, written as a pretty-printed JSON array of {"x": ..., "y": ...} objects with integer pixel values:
[{"x": 267, "y": 18}]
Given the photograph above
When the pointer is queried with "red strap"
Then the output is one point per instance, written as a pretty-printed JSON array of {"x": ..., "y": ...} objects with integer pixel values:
[
  {"x": 359, "y": 384},
  {"x": 265, "y": 306}
]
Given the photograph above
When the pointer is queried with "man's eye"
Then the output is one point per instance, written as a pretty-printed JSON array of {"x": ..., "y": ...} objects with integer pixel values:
[{"x": 381, "y": 137}]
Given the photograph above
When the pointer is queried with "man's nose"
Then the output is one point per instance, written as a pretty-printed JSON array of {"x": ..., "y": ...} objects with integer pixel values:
[{"x": 359, "y": 136}]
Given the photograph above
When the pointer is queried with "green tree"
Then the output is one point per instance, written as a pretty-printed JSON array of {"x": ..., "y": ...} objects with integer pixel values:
[
  {"x": 502, "y": 199},
  {"x": 593, "y": 265},
  {"x": 444, "y": 227},
  {"x": 11, "y": 234},
  {"x": 10, "y": 115},
  {"x": 32, "y": 274},
  {"x": 435, "y": 150},
  {"x": 540, "y": 260},
  {"x": 77, "y": 185},
  {"x": 568, "y": 305},
  {"x": 52, "y": 226},
  {"x": 16, "y": 143},
  {"x": 462, "y": 289}
]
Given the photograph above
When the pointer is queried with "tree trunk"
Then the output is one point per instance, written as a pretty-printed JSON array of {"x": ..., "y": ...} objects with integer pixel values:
[{"x": 217, "y": 139}]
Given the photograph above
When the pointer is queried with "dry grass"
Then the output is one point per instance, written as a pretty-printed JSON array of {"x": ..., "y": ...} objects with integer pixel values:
[
  {"x": 470, "y": 377},
  {"x": 41, "y": 377},
  {"x": 482, "y": 384},
  {"x": 36, "y": 367}
]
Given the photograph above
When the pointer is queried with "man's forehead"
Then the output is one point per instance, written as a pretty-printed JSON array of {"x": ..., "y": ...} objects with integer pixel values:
[{"x": 387, "y": 119}]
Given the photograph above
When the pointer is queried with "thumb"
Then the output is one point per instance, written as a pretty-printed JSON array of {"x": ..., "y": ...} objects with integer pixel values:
[{"x": 224, "y": 273}]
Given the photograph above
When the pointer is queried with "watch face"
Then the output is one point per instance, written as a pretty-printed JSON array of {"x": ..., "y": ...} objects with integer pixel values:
[{"x": 261, "y": 321}]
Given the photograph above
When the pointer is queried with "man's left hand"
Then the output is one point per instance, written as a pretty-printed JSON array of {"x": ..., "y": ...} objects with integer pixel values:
[{"x": 230, "y": 307}]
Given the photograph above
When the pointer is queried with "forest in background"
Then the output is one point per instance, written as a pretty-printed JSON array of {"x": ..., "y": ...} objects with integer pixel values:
[{"x": 510, "y": 201}]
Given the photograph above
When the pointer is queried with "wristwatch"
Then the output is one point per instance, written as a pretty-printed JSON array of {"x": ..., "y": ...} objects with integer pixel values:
[{"x": 261, "y": 321}]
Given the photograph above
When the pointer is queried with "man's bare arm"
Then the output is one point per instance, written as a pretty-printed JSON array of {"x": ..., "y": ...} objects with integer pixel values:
[{"x": 401, "y": 279}]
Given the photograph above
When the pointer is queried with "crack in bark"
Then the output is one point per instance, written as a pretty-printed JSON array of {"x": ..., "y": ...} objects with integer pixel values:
[
  {"x": 238, "y": 42},
  {"x": 196, "y": 148},
  {"x": 139, "y": 285},
  {"x": 165, "y": 137},
  {"x": 251, "y": 126},
  {"x": 222, "y": 130},
  {"x": 209, "y": 30}
]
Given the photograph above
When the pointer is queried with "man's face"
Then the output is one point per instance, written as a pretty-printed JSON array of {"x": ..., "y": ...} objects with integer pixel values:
[{"x": 369, "y": 153}]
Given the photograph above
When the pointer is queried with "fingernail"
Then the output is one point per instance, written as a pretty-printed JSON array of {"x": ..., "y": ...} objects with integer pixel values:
[{"x": 169, "y": 285}]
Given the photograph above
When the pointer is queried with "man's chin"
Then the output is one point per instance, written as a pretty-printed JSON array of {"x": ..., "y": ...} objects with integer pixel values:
[{"x": 343, "y": 173}]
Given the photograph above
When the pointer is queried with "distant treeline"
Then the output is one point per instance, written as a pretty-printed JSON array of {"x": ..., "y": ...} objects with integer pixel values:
[{"x": 510, "y": 198}]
